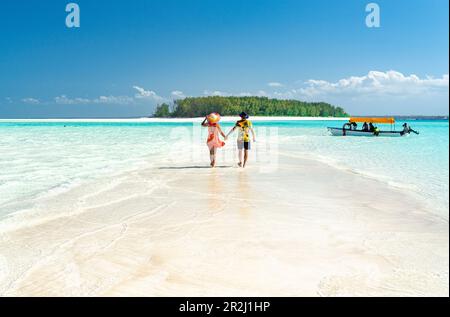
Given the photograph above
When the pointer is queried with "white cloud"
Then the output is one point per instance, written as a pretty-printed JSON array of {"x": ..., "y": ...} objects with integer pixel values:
[
  {"x": 31, "y": 101},
  {"x": 259, "y": 93},
  {"x": 215, "y": 93},
  {"x": 147, "y": 94},
  {"x": 375, "y": 90},
  {"x": 376, "y": 83},
  {"x": 176, "y": 94},
  {"x": 117, "y": 100},
  {"x": 389, "y": 92},
  {"x": 275, "y": 84},
  {"x": 110, "y": 100},
  {"x": 64, "y": 100}
]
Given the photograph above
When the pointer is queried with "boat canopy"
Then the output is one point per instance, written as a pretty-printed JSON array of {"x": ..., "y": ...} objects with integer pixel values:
[{"x": 373, "y": 120}]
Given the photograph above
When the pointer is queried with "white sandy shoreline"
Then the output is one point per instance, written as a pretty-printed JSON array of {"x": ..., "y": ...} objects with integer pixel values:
[
  {"x": 184, "y": 231},
  {"x": 177, "y": 120}
]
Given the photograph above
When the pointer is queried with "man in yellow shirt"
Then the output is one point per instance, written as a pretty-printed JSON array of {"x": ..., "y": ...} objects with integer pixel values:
[{"x": 244, "y": 127}]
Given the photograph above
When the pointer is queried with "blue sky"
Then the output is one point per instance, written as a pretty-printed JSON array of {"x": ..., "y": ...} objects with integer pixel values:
[{"x": 128, "y": 56}]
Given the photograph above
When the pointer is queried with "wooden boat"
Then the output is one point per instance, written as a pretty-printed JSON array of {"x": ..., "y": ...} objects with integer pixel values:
[{"x": 349, "y": 128}]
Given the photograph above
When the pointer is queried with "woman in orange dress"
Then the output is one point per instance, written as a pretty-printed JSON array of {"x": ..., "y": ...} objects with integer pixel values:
[{"x": 213, "y": 142}]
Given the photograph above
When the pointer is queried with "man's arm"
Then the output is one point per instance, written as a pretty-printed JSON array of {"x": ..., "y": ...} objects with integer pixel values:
[
  {"x": 253, "y": 134},
  {"x": 231, "y": 131}
]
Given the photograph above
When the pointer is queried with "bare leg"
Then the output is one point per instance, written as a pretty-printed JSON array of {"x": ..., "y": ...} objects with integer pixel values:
[
  {"x": 212, "y": 156},
  {"x": 245, "y": 157},
  {"x": 240, "y": 154}
]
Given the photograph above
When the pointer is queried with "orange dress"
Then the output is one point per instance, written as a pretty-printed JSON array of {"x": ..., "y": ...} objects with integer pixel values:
[{"x": 213, "y": 140}]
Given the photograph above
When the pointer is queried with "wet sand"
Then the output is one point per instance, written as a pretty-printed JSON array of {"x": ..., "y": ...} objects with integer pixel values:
[{"x": 304, "y": 229}]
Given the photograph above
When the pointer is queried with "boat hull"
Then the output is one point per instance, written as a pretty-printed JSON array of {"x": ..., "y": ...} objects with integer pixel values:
[{"x": 346, "y": 132}]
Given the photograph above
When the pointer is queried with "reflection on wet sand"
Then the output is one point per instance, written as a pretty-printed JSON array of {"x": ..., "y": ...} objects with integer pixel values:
[
  {"x": 216, "y": 200},
  {"x": 244, "y": 193}
]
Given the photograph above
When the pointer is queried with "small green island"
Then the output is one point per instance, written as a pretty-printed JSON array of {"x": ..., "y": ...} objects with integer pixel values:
[{"x": 255, "y": 106}]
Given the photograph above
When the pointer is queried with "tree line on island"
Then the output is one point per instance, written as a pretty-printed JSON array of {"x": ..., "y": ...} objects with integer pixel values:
[{"x": 255, "y": 106}]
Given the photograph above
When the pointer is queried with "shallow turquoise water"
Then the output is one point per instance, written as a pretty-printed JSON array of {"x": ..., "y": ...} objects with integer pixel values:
[
  {"x": 419, "y": 163},
  {"x": 42, "y": 158}
]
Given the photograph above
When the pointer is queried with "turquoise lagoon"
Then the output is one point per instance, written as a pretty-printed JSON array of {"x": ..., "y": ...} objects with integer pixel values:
[{"x": 40, "y": 159}]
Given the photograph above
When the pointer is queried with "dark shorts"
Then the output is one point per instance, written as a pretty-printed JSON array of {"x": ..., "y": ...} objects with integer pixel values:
[{"x": 244, "y": 145}]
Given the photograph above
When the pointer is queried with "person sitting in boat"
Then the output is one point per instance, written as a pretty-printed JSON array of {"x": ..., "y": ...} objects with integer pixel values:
[
  {"x": 376, "y": 131},
  {"x": 407, "y": 129},
  {"x": 353, "y": 126},
  {"x": 365, "y": 127},
  {"x": 371, "y": 127}
]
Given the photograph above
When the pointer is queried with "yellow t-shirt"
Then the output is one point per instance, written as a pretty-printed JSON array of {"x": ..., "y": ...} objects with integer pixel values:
[{"x": 244, "y": 129}]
